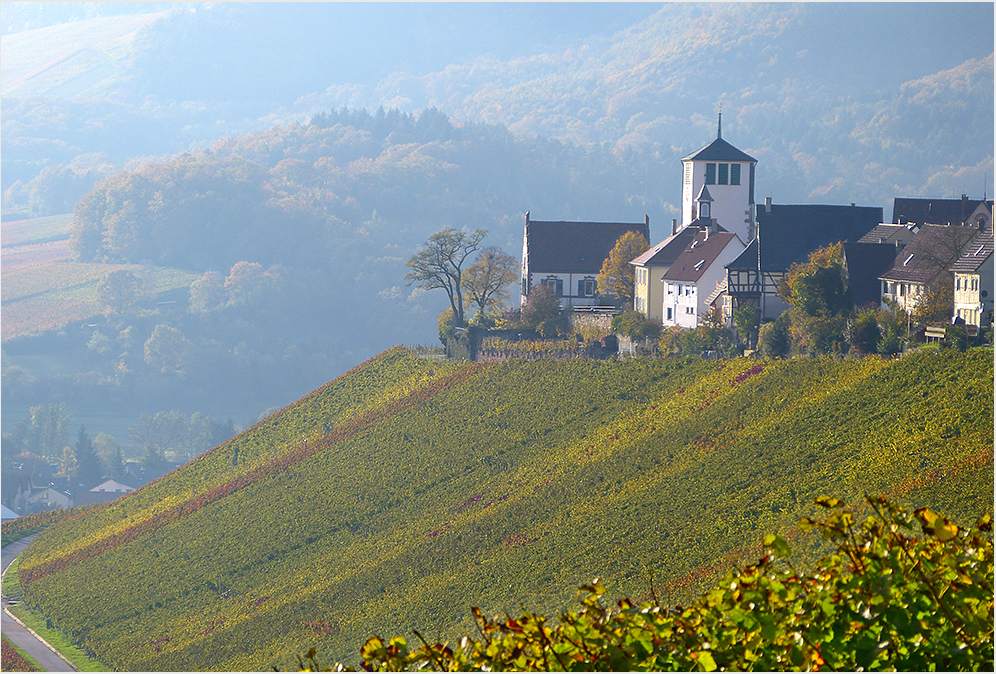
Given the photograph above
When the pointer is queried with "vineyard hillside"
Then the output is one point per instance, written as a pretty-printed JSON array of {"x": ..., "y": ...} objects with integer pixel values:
[{"x": 409, "y": 489}]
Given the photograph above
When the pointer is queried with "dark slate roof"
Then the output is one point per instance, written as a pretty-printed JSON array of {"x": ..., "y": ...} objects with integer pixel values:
[
  {"x": 788, "y": 234},
  {"x": 934, "y": 211},
  {"x": 931, "y": 251},
  {"x": 978, "y": 250},
  {"x": 719, "y": 150},
  {"x": 558, "y": 247},
  {"x": 884, "y": 232},
  {"x": 865, "y": 263},
  {"x": 698, "y": 256},
  {"x": 668, "y": 250}
]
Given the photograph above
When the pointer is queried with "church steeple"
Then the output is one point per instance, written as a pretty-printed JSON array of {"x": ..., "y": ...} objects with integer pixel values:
[{"x": 719, "y": 127}]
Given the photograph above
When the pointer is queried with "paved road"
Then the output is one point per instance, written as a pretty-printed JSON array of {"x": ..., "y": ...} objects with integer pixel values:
[{"x": 47, "y": 658}]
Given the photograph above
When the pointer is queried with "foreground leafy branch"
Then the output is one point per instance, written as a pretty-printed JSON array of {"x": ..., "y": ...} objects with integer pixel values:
[{"x": 904, "y": 591}]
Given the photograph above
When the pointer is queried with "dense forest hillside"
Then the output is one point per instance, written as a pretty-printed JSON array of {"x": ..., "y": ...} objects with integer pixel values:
[{"x": 408, "y": 489}]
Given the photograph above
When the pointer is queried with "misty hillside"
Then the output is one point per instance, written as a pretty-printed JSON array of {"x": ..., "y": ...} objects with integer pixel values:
[
  {"x": 837, "y": 102},
  {"x": 408, "y": 490}
]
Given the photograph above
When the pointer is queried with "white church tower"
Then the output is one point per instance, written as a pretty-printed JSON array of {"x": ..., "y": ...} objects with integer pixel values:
[{"x": 728, "y": 175}]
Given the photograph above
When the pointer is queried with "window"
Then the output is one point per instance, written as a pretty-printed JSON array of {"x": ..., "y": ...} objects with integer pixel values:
[
  {"x": 669, "y": 313},
  {"x": 586, "y": 287},
  {"x": 710, "y": 174},
  {"x": 734, "y": 174},
  {"x": 958, "y": 283},
  {"x": 688, "y": 173},
  {"x": 555, "y": 284},
  {"x": 724, "y": 174}
]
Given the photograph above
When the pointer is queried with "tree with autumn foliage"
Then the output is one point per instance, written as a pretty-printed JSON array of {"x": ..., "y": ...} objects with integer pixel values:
[
  {"x": 486, "y": 281},
  {"x": 820, "y": 301},
  {"x": 618, "y": 276}
]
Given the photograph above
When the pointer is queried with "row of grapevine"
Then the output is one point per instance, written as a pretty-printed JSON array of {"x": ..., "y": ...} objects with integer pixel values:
[{"x": 427, "y": 487}]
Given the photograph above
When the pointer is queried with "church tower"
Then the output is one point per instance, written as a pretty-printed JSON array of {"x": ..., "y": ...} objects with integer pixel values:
[{"x": 728, "y": 174}]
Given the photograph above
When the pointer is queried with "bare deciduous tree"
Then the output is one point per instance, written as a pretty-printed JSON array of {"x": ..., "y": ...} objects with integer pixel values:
[{"x": 439, "y": 265}]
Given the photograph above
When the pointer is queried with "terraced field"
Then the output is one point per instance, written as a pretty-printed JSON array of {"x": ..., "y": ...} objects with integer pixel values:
[
  {"x": 408, "y": 490},
  {"x": 43, "y": 289}
]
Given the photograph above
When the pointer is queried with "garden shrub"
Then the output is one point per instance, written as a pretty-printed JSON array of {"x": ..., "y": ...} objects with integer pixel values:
[{"x": 773, "y": 338}]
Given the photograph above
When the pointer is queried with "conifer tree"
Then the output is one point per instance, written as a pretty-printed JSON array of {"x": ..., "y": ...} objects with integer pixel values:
[{"x": 88, "y": 468}]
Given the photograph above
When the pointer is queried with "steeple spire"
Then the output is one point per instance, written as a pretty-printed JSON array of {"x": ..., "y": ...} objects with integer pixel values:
[{"x": 719, "y": 128}]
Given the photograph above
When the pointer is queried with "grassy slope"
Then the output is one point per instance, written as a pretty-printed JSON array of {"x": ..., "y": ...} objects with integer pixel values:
[{"x": 438, "y": 486}]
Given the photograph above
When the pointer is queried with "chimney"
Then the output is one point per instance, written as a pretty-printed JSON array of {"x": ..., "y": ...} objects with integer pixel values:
[
  {"x": 674, "y": 226},
  {"x": 767, "y": 204},
  {"x": 964, "y": 208},
  {"x": 646, "y": 220}
]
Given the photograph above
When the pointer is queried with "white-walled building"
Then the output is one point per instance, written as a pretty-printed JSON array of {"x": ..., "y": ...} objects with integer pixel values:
[
  {"x": 567, "y": 256},
  {"x": 923, "y": 261},
  {"x": 690, "y": 281},
  {"x": 728, "y": 174},
  {"x": 973, "y": 281}
]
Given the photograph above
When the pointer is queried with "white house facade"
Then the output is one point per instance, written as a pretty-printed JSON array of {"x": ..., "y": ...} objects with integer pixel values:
[
  {"x": 689, "y": 284},
  {"x": 567, "y": 256},
  {"x": 973, "y": 281}
]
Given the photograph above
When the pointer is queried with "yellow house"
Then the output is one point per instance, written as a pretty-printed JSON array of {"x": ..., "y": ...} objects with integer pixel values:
[{"x": 648, "y": 291}]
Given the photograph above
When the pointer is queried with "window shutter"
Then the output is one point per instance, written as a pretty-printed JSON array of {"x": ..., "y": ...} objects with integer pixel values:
[
  {"x": 734, "y": 174},
  {"x": 581, "y": 288},
  {"x": 724, "y": 171},
  {"x": 710, "y": 174},
  {"x": 560, "y": 287}
]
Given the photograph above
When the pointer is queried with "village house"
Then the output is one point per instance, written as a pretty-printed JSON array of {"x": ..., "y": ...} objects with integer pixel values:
[
  {"x": 103, "y": 492},
  {"x": 786, "y": 235},
  {"x": 923, "y": 261},
  {"x": 690, "y": 280},
  {"x": 973, "y": 282},
  {"x": 650, "y": 267},
  {"x": 567, "y": 256},
  {"x": 49, "y": 498}
]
